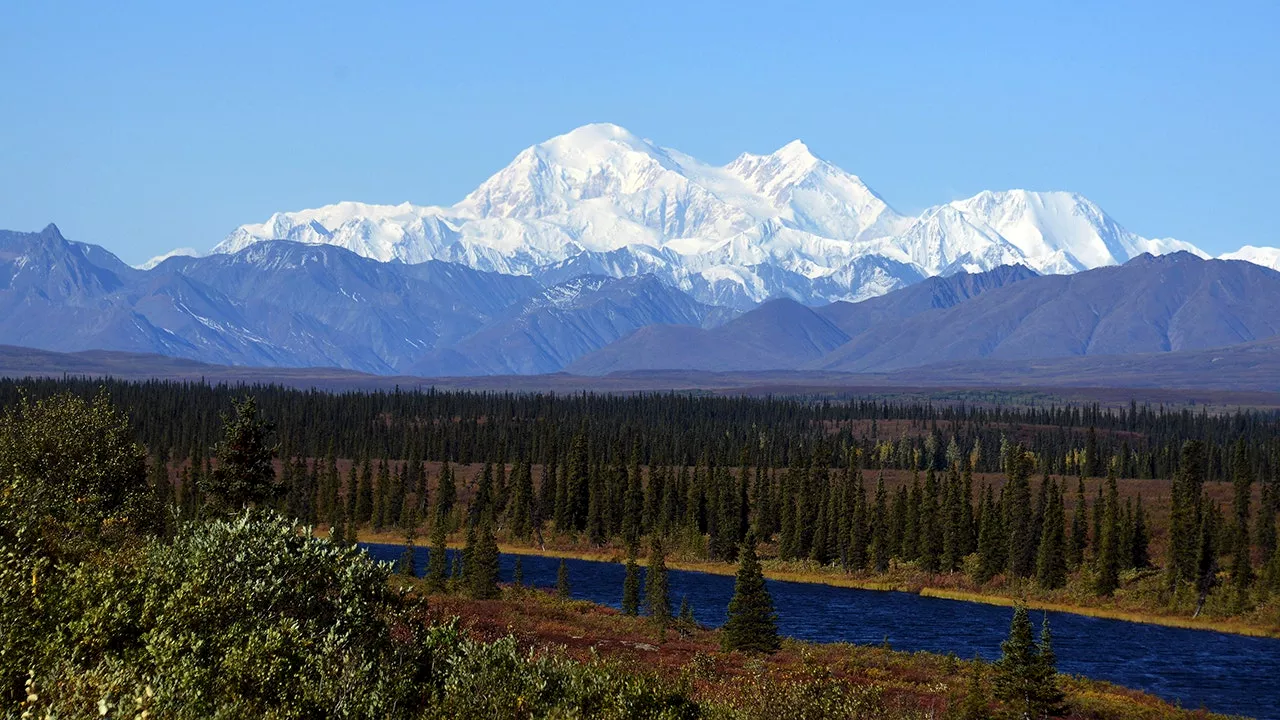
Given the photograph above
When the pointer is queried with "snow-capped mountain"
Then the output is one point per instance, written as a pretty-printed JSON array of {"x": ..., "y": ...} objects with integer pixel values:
[
  {"x": 1265, "y": 256},
  {"x": 176, "y": 252},
  {"x": 600, "y": 190},
  {"x": 788, "y": 224}
]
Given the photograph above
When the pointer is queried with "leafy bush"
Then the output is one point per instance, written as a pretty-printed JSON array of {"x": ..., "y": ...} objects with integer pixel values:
[
  {"x": 238, "y": 618},
  {"x": 72, "y": 486},
  {"x": 478, "y": 680}
]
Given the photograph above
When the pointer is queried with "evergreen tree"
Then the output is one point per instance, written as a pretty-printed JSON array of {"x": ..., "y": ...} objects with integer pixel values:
[
  {"x": 656, "y": 590},
  {"x": 468, "y": 549},
  {"x": 378, "y": 518},
  {"x": 457, "y": 573},
  {"x": 1025, "y": 676},
  {"x": 1051, "y": 558},
  {"x": 911, "y": 520},
  {"x": 631, "y": 586},
  {"x": 437, "y": 560},
  {"x": 881, "y": 545},
  {"x": 1019, "y": 516},
  {"x": 563, "y": 590},
  {"x": 930, "y": 528},
  {"x": 1241, "y": 546},
  {"x": 446, "y": 491},
  {"x": 481, "y": 508},
  {"x": 634, "y": 501},
  {"x": 1206, "y": 565},
  {"x": 517, "y": 572},
  {"x": 1099, "y": 517},
  {"x": 990, "y": 541},
  {"x": 686, "y": 613},
  {"x": 976, "y": 705},
  {"x": 1079, "y": 541},
  {"x": 1109, "y": 544},
  {"x": 1265, "y": 524},
  {"x": 520, "y": 509},
  {"x": 244, "y": 475},
  {"x": 337, "y": 527},
  {"x": 577, "y": 484},
  {"x": 1141, "y": 538},
  {"x": 364, "y": 495},
  {"x": 408, "y": 565},
  {"x": 596, "y": 508},
  {"x": 953, "y": 532},
  {"x": 752, "y": 625},
  {"x": 482, "y": 565},
  {"x": 1185, "y": 522}
]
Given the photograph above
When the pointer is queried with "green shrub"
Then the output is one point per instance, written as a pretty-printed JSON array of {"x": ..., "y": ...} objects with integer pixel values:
[{"x": 496, "y": 680}]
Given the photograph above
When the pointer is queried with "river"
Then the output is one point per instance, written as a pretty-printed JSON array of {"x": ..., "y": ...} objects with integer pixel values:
[{"x": 1197, "y": 668}]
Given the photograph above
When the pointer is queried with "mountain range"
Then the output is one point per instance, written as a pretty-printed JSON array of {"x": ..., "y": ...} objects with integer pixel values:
[
  {"x": 598, "y": 252},
  {"x": 1170, "y": 303},
  {"x": 287, "y": 304}
]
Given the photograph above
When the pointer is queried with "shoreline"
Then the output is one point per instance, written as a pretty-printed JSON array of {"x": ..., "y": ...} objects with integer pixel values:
[{"x": 819, "y": 578}]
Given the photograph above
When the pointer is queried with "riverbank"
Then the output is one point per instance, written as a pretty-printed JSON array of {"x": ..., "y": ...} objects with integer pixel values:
[
  {"x": 906, "y": 579},
  {"x": 802, "y": 680}
]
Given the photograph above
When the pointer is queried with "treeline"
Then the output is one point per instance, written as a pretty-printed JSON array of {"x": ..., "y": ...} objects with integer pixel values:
[
  {"x": 704, "y": 473},
  {"x": 682, "y": 429}
]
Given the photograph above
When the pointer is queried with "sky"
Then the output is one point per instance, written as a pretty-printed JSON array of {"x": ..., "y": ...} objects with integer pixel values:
[{"x": 147, "y": 126}]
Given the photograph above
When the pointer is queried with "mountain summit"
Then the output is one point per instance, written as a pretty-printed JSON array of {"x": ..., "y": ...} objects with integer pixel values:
[{"x": 787, "y": 224}]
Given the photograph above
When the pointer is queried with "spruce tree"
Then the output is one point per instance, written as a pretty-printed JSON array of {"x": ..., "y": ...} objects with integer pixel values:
[
  {"x": 563, "y": 590},
  {"x": 990, "y": 541},
  {"x": 407, "y": 565},
  {"x": 1241, "y": 546},
  {"x": 244, "y": 475},
  {"x": 976, "y": 705},
  {"x": 1141, "y": 538},
  {"x": 686, "y": 612},
  {"x": 881, "y": 545},
  {"x": 468, "y": 549},
  {"x": 1079, "y": 541},
  {"x": 364, "y": 495},
  {"x": 437, "y": 560},
  {"x": 952, "y": 528},
  {"x": 1108, "y": 560},
  {"x": 446, "y": 491},
  {"x": 1025, "y": 677},
  {"x": 517, "y": 572},
  {"x": 481, "y": 508},
  {"x": 1206, "y": 559},
  {"x": 656, "y": 590},
  {"x": 1018, "y": 516},
  {"x": 1185, "y": 521},
  {"x": 1051, "y": 558},
  {"x": 520, "y": 509},
  {"x": 930, "y": 527},
  {"x": 631, "y": 586},
  {"x": 482, "y": 565},
  {"x": 378, "y": 515},
  {"x": 1265, "y": 524},
  {"x": 752, "y": 625}
]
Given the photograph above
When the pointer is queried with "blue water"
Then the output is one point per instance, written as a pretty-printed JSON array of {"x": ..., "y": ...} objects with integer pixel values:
[{"x": 1224, "y": 673}]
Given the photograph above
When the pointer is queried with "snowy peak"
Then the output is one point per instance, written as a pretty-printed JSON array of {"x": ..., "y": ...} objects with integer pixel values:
[
  {"x": 1061, "y": 232},
  {"x": 1267, "y": 257},
  {"x": 549, "y": 178},
  {"x": 784, "y": 224},
  {"x": 177, "y": 252}
]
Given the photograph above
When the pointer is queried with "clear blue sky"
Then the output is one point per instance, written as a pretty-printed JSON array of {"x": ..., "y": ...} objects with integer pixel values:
[{"x": 144, "y": 127}]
